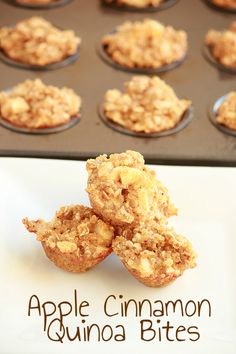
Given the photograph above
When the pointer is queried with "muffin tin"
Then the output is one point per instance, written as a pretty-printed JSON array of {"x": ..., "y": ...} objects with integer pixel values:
[{"x": 199, "y": 143}]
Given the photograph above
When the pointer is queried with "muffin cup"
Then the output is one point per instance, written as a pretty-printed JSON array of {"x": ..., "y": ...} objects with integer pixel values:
[
  {"x": 101, "y": 50},
  {"x": 41, "y": 131},
  {"x": 17, "y": 64},
  {"x": 207, "y": 53},
  {"x": 166, "y": 4},
  {"x": 186, "y": 120},
  {"x": 52, "y": 5},
  {"x": 212, "y": 113},
  {"x": 220, "y": 8},
  {"x": 70, "y": 262}
]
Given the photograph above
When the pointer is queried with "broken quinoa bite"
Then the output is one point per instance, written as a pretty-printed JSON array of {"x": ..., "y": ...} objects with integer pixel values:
[
  {"x": 226, "y": 113},
  {"x": 146, "y": 44},
  {"x": 123, "y": 191},
  {"x": 34, "y": 105},
  {"x": 154, "y": 254},
  {"x": 75, "y": 240},
  {"x": 35, "y": 41},
  {"x": 222, "y": 45},
  {"x": 146, "y": 105}
]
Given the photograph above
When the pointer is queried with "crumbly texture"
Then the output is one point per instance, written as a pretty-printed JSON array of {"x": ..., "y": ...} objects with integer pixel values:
[
  {"x": 75, "y": 240},
  {"x": 34, "y": 105},
  {"x": 36, "y": 41},
  {"x": 145, "y": 44},
  {"x": 137, "y": 3},
  {"x": 154, "y": 254},
  {"x": 231, "y": 4},
  {"x": 122, "y": 190},
  {"x": 146, "y": 105},
  {"x": 226, "y": 114},
  {"x": 223, "y": 45}
]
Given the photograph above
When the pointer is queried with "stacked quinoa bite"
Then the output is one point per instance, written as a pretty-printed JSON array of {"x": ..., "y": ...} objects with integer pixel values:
[
  {"x": 129, "y": 215},
  {"x": 125, "y": 193}
]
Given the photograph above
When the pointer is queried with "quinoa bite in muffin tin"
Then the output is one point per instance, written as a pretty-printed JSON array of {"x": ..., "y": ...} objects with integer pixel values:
[
  {"x": 36, "y": 44},
  {"x": 147, "y": 47}
]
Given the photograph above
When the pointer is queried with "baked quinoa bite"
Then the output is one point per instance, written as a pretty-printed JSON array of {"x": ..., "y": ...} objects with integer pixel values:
[
  {"x": 75, "y": 240},
  {"x": 222, "y": 45},
  {"x": 35, "y": 41},
  {"x": 123, "y": 191},
  {"x": 146, "y": 105},
  {"x": 226, "y": 114},
  {"x": 154, "y": 254},
  {"x": 35, "y": 105},
  {"x": 145, "y": 44}
]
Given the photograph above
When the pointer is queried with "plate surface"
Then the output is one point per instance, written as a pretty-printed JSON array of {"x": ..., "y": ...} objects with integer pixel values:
[{"x": 36, "y": 188}]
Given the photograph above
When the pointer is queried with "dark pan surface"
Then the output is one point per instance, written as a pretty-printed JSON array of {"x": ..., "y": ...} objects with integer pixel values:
[{"x": 200, "y": 143}]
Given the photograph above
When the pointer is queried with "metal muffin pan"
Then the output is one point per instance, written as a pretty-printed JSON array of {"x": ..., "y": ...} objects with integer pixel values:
[{"x": 199, "y": 143}]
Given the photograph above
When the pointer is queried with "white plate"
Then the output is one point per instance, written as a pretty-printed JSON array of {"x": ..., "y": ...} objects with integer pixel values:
[{"x": 206, "y": 198}]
